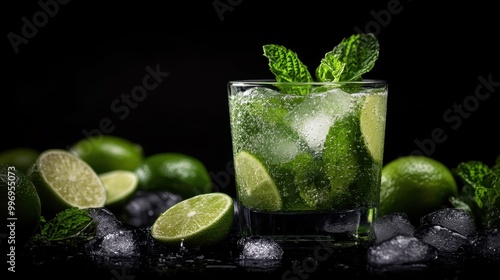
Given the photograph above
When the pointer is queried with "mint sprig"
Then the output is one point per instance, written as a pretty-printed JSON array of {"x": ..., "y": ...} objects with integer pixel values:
[
  {"x": 348, "y": 61},
  {"x": 69, "y": 227},
  {"x": 480, "y": 192},
  {"x": 287, "y": 67}
]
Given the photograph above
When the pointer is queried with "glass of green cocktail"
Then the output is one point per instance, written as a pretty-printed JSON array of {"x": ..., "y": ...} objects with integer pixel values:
[{"x": 308, "y": 154}]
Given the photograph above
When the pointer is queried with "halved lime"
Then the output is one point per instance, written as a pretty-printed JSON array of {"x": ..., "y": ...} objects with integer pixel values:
[
  {"x": 372, "y": 123},
  {"x": 120, "y": 186},
  {"x": 256, "y": 188},
  {"x": 201, "y": 220},
  {"x": 63, "y": 180}
]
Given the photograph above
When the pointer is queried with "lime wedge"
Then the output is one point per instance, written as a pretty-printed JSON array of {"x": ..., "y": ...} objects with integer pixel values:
[
  {"x": 120, "y": 186},
  {"x": 256, "y": 188},
  {"x": 201, "y": 220},
  {"x": 372, "y": 123},
  {"x": 63, "y": 180}
]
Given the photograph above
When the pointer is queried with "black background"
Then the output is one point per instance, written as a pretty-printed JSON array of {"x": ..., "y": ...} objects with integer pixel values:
[{"x": 63, "y": 80}]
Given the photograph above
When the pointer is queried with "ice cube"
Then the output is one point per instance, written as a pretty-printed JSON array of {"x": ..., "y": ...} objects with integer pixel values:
[
  {"x": 113, "y": 237},
  {"x": 401, "y": 250},
  {"x": 452, "y": 218},
  {"x": 122, "y": 243},
  {"x": 277, "y": 145},
  {"x": 263, "y": 91},
  {"x": 257, "y": 252},
  {"x": 445, "y": 240},
  {"x": 391, "y": 225},
  {"x": 256, "y": 114},
  {"x": 143, "y": 209},
  {"x": 259, "y": 248},
  {"x": 344, "y": 223},
  {"x": 313, "y": 117},
  {"x": 107, "y": 222},
  {"x": 485, "y": 246}
]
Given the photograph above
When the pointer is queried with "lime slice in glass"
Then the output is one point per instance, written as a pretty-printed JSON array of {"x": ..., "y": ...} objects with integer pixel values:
[
  {"x": 63, "y": 180},
  {"x": 120, "y": 186},
  {"x": 201, "y": 220},
  {"x": 256, "y": 188},
  {"x": 372, "y": 124}
]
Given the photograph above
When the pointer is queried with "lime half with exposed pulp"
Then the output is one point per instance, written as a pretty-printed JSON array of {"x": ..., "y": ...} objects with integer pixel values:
[
  {"x": 120, "y": 186},
  {"x": 202, "y": 220},
  {"x": 63, "y": 180}
]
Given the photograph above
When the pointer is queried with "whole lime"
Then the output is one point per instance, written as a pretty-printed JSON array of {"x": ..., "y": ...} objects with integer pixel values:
[
  {"x": 415, "y": 185},
  {"x": 175, "y": 172},
  {"x": 21, "y": 157},
  {"x": 106, "y": 153},
  {"x": 21, "y": 207}
]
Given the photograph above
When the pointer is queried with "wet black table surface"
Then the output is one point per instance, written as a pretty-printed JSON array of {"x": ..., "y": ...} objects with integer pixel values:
[
  {"x": 223, "y": 262},
  {"x": 130, "y": 252}
]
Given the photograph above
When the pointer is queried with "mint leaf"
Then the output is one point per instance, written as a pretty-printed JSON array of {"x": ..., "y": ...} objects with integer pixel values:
[
  {"x": 349, "y": 60},
  {"x": 287, "y": 67},
  {"x": 473, "y": 173},
  {"x": 330, "y": 69},
  {"x": 482, "y": 186},
  {"x": 460, "y": 204},
  {"x": 496, "y": 167},
  {"x": 68, "y": 227},
  {"x": 314, "y": 188}
]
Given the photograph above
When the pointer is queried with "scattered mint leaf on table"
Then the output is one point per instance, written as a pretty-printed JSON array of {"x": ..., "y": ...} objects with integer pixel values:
[{"x": 68, "y": 227}]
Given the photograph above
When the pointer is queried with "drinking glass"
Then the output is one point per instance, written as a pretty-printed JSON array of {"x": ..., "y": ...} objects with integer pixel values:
[{"x": 308, "y": 158}]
